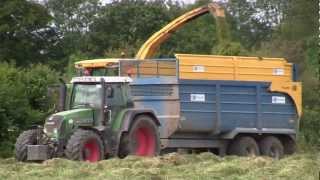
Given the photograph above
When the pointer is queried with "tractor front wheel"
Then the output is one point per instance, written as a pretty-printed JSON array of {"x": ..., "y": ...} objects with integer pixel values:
[
  {"x": 142, "y": 138},
  {"x": 85, "y": 145},
  {"x": 26, "y": 138}
]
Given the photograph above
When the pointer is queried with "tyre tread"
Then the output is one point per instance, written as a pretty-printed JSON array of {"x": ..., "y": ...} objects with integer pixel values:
[{"x": 74, "y": 145}]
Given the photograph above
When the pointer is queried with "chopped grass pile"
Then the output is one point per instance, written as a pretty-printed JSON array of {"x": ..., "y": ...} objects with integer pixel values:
[{"x": 171, "y": 166}]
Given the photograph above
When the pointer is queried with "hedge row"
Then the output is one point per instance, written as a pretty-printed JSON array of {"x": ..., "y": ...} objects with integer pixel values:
[{"x": 23, "y": 100}]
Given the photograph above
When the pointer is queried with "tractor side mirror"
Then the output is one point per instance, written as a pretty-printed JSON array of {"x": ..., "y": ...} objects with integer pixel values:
[{"x": 109, "y": 92}]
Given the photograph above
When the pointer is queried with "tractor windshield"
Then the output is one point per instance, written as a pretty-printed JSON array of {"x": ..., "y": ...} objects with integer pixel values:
[{"x": 86, "y": 95}]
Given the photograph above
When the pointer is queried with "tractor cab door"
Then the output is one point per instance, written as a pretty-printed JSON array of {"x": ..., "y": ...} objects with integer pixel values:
[{"x": 116, "y": 100}]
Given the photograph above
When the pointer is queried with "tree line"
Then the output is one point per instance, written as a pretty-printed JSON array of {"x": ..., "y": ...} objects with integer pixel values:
[{"x": 40, "y": 41}]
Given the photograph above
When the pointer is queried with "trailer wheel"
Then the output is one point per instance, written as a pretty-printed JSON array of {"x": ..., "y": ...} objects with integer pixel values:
[
  {"x": 272, "y": 147},
  {"x": 244, "y": 146},
  {"x": 289, "y": 145},
  {"x": 28, "y": 137},
  {"x": 85, "y": 145},
  {"x": 142, "y": 138}
]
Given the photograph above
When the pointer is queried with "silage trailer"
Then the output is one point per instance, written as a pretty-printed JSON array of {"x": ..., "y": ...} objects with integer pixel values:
[{"x": 224, "y": 104}]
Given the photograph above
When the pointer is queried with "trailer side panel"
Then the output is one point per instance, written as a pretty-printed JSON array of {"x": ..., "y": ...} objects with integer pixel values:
[{"x": 222, "y": 106}]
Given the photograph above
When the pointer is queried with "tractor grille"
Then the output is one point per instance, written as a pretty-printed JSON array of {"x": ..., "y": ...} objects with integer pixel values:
[{"x": 53, "y": 122}]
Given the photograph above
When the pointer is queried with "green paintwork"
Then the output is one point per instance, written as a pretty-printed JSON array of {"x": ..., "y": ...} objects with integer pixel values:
[
  {"x": 117, "y": 122},
  {"x": 68, "y": 96},
  {"x": 73, "y": 112},
  {"x": 73, "y": 119}
]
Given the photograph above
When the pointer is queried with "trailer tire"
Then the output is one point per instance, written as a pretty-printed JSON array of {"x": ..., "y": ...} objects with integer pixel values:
[
  {"x": 84, "y": 145},
  {"x": 289, "y": 145},
  {"x": 142, "y": 139},
  {"x": 28, "y": 137},
  {"x": 272, "y": 147},
  {"x": 244, "y": 146}
]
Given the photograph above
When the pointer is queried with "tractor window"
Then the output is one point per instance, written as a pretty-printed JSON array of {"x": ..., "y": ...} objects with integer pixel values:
[
  {"x": 86, "y": 95},
  {"x": 116, "y": 99}
]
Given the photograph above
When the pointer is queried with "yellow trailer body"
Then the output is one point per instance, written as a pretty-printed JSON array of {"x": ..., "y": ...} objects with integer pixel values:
[
  {"x": 237, "y": 68},
  {"x": 211, "y": 67}
]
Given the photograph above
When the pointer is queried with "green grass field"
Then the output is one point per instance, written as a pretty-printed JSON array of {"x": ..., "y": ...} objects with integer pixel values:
[{"x": 171, "y": 166}]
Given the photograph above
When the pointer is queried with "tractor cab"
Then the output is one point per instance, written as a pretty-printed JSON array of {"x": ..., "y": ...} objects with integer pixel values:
[
  {"x": 105, "y": 96},
  {"x": 93, "y": 101}
]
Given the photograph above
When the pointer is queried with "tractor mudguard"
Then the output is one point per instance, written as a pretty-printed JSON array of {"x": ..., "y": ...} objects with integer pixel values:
[
  {"x": 132, "y": 113},
  {"x": 128, "y": 119}
]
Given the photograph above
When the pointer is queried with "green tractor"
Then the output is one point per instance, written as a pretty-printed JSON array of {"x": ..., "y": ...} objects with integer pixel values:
[{"x": 98, "y": 120}]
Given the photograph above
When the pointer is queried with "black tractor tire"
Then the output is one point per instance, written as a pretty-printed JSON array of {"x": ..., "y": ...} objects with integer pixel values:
[
  {"x": 28, "y": 137},
  {"x": 271, "y": 146},
  {"x": 289, "y": 145},
  {"x": 142, "y": 139},
  {"x": 244, "y": 146},
  {"x": 85, "y": 145}
]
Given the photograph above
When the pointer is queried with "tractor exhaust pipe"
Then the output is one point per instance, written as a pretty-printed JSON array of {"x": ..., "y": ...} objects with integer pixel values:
[
  {"x": 62, "y": 95},
  {"x": 103, "y": 103}
]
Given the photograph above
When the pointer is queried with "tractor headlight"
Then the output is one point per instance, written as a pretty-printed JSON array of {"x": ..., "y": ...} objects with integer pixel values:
[
  {"x": 70, "y": 121},
  {"x": 55, "y": 131}
]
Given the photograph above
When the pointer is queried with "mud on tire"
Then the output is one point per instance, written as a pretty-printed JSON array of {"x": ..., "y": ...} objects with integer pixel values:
[
  {"x": 85, "y": 145},
  {"x": 272, "y": 147},
  {"x": 244, "y": 146}
]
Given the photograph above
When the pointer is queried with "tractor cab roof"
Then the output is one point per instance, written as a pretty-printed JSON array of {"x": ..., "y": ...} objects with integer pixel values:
[
  {"x": 98, "y": 63},
  {"x": 97, "y": 79}
]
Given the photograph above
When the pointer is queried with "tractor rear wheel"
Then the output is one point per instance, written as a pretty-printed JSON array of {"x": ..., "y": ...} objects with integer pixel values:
[
  {"x": 85, "y": 145},
  {"x": 244, "y": 146},
  {"x": 142, "y": 138},
  {"x": 26, "y": 138}
]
